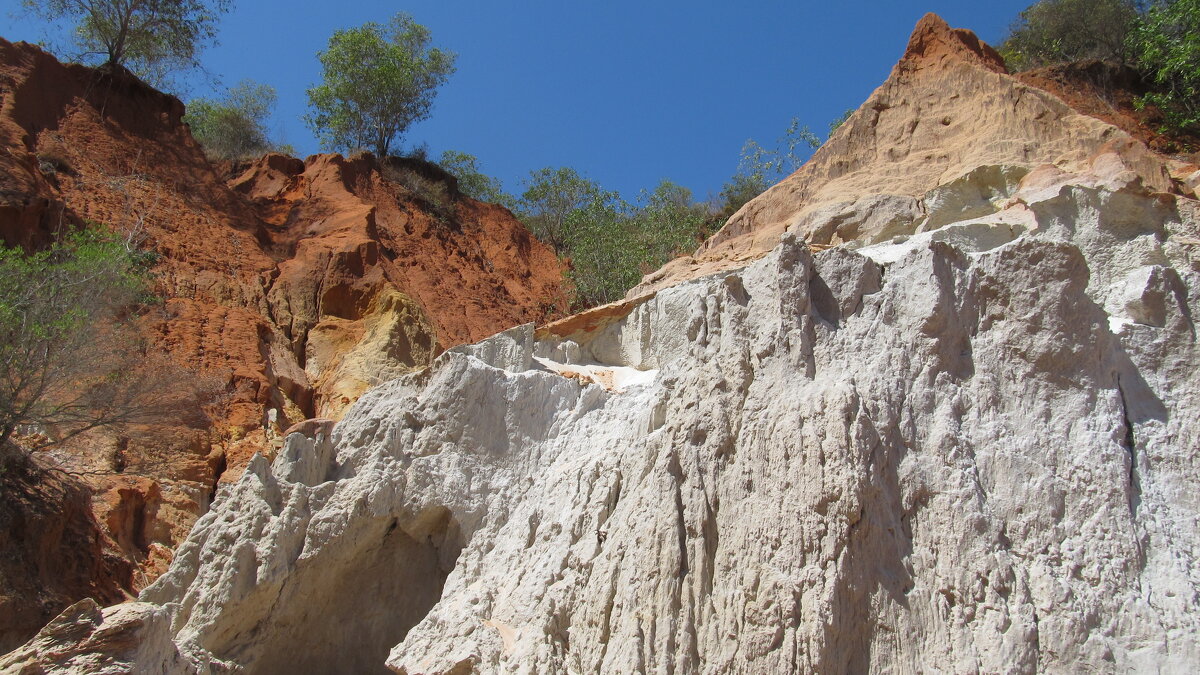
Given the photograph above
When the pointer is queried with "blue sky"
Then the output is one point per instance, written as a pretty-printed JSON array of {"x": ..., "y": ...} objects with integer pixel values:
[{"x": 627, "y": 92}]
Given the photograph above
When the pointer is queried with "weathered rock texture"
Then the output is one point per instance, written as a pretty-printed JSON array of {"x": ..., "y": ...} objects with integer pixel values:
[
  {"x": 967, "y": 445},
  {"x": 53, "y": 550},
  {"x": 972, "y": 451},
  {"x": 294, "y": 287},
  {"x": 128, "y": 638}
]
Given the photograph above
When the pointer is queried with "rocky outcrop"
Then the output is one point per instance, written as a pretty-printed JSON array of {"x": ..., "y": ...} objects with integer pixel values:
[
  {"x": 87, "y": 639},
  {"x": 289, "y": 290},
  {"x": 385, "y": 267},
  {"x": 967, "y": 450},
  {"x": 948, "y": 111}
]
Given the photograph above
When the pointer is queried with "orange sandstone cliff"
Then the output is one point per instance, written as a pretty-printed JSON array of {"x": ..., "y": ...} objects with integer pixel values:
[{"x": 949, "y": 112}]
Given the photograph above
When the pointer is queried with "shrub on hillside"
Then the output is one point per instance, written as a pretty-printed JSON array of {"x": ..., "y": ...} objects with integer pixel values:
[
  {"x": 1055, "y": 31},
  {"x": 234, "y": 127},
  {"x": 609, "y": 242},
  {"x": 551, "y": 198},
  {"x": 424, "y": 180},
  {"x": 1166, "y": 47},
  {"x": 70, "y": 356},
  {"x": 471, "y": 181},
  {"x": 759, "y": 168}
]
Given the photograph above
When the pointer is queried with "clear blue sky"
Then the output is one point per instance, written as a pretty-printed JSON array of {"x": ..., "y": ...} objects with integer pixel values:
[{"x": 627, "y": 92}]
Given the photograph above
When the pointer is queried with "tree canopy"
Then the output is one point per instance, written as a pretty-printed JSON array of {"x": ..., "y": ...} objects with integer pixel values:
[
  {"x": 1166, "y": 47},
  {"x": 1052, "y": 31},
  {"x": 759, "y": 167},
  {"x": 551, "y": 196},
  {"x": 151, "y": 37},
  {"x": 609, "y": 242},
  {"x": 377, "y": 81},
  {"x": 235, "y": 126},
  {"x": 471, "y": 181}
]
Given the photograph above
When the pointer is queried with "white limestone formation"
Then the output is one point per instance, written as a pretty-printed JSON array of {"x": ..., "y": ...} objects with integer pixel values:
[{"x": 968, "y": 450}]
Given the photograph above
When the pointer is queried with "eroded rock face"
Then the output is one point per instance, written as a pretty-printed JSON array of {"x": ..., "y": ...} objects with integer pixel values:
[
  {"x": 53, "y": 550},
  {"x": 87, "y": 639},
  {"x": 290, "y": 290},
  {"x": 971, "y": 449}
]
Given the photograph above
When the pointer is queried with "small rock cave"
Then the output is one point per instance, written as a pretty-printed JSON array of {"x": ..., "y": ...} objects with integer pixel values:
[{"x": 344, "y": 610}]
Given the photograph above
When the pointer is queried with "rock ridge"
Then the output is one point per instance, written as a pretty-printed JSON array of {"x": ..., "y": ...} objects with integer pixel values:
[
  {"x": 970, "y": 449},
  {"x": 948, "y": 108},
  {"x": 934, "y": 42}
]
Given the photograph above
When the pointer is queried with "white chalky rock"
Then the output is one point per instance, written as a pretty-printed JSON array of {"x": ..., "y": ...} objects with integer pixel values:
[{"x": 931, "y": 455}]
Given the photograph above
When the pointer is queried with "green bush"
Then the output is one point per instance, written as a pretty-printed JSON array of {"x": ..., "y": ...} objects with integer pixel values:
[
  {"x": 424, "y": 180},
  {"x": 613, "y": 244},
  {"x": 472, "y": 182},
  {"x": 1166, "y": 48},
  {"x": 552, "y": 196},
  {"x": 234, "y": 127},
  {"x": 600, "y": 247},
  {"x": 68, "y": 358},
  {"x": 759, "y": 168},
  {"x": 1055, "y": 31},
  {"x": 610, "y": 243}
]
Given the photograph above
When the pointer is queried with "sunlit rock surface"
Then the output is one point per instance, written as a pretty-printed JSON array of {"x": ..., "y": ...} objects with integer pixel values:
[
  {"x": 966, "y": 445},
  {"x": 971, "y": 449},
  {"x": 288, "y": 290}
]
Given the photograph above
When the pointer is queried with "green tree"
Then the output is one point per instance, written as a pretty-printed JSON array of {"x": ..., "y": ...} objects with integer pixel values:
[
  {"x": 151, "y": 37},
  {"x": 759, "y": 168},
  {"x": 473, "y": 182},
  {"x": 609, "y": 243},
  {"x": 1166, "y": 47},
  {"x": 1056, "y": 31},
  {"x": 612, "y": 244},
  {"x": 377, "y": 81},
  {"x": 235, "y": 126},
  {"x": 603, "y": 249},
  {"x": 551, "y": 197},
  {"x": 671, "y": 223},
  {"x": 70, "y": 360}
]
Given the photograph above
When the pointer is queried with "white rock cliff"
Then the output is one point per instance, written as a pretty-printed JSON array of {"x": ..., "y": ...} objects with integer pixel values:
[{"x": 971, "y": 447}]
